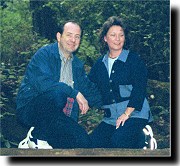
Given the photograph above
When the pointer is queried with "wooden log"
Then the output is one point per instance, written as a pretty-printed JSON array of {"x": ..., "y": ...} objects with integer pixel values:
[{"x": 97, "y": 152}]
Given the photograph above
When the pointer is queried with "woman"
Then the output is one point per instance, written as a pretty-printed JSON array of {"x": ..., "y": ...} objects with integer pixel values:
[{"x": 121, "y": 77}]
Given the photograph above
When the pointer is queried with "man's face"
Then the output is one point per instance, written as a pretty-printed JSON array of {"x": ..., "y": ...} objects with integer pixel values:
[{"x": 70, "y": 39}]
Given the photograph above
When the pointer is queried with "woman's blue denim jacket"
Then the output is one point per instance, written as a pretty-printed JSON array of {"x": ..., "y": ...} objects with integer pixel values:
[
  {"x": 126, "y": 86},
  {"x": 43, "y": 73}
]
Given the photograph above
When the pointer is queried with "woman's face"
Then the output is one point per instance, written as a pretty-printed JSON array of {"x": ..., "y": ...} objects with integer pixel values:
[{"x": 115, "y": 38}]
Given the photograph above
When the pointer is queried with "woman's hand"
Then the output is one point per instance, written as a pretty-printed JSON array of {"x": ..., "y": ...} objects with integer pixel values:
[
  {"x": 121, "y": 120},
  {"x": 124, "y": 117}
]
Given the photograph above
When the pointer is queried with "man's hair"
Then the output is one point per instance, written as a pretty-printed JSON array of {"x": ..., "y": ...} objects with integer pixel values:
[{"x": 61, "y": 28}]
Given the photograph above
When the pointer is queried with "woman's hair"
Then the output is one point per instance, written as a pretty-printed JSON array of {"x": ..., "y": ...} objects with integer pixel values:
[{"x": 111, "y": 21}]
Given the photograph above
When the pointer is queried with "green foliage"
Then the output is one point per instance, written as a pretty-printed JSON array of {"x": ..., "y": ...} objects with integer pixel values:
[
  {"x": 16, "y": 30},
  {"x": 87, "y": 49},
  {"x": 159, "y": 93},
  {"x": 91, "y": 119},
  {"x": 159, "y": 100},
  {"x": 18, "y": 41}
]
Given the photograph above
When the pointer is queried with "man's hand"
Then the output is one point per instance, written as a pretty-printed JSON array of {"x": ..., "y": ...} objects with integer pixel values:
[{"x": 83, "y": 103}]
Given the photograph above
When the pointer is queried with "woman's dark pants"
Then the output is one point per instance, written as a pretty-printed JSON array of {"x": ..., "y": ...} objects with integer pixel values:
[{"x": 128, "y": 136}]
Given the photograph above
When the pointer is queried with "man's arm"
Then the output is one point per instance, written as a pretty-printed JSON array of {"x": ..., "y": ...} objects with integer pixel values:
[{"x": 41, "y": 77}]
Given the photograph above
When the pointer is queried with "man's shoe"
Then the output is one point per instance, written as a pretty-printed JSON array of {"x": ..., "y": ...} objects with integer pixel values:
[
  {"x": 30, "y": 142},
  {"x": 150, "y": 141},
  {"x": 24, "y": 143},
  {"x": 38, "y": 144}
]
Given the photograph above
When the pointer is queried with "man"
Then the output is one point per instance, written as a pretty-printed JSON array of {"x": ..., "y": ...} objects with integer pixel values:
[{"x": 53, "y": 90}]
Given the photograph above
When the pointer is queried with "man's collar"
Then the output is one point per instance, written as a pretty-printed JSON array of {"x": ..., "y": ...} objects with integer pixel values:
[{"x": 62, "y": 57}]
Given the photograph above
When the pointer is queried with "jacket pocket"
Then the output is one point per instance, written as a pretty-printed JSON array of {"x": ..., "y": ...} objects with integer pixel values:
[{"x": 125, "y": 90}]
